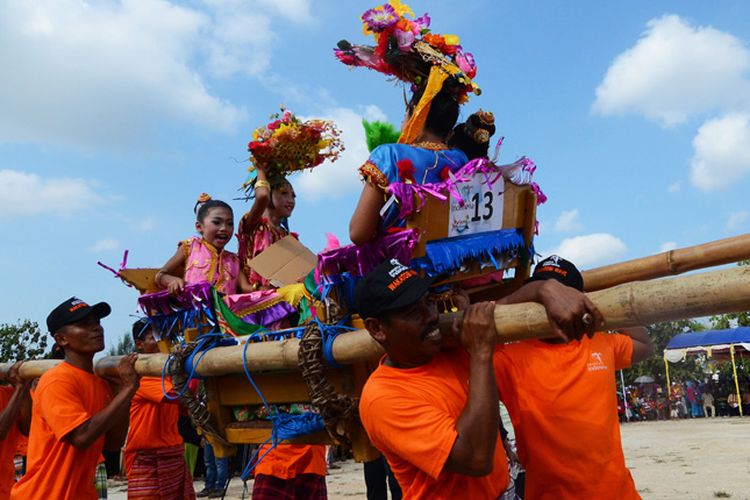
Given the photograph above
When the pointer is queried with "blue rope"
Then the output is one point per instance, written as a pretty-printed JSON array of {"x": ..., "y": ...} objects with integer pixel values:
[
  {"x": 283, "y": 425},
  {"x": 205, "y": 342}
]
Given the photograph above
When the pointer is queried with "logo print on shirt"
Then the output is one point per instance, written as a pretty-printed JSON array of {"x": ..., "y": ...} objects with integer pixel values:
[{"x": 596, "y": 363}]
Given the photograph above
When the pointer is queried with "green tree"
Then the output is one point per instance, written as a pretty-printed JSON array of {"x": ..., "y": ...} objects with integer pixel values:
[
  {"x": 661, "y": 334},
  {"x": 124, "y": 346},
  {"x": 21, "y": 341}
]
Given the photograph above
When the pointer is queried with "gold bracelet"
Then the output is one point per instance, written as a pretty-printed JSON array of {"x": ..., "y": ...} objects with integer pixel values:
[{"x": 262, "y": 184}]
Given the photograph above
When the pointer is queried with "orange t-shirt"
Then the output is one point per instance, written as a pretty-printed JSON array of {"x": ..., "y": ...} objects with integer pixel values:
[
  {"x": 8, "y": 448},
  {"x": 411, "y": 414},
  {"x": 153, "y": 421},
  {"x": 65, "y": 398},
  {"x": 288, "y": 461},
  {"x": 563, "y": 404}
]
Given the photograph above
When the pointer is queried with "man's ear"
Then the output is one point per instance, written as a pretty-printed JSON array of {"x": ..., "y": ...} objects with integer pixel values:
[
  {"x": 375, "y": 328},
  {"x": 139, "y": 345},
  {"x": 60, "y": 338}
]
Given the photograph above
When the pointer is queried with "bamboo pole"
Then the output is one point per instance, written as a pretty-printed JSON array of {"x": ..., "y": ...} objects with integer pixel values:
[
  {"x": 630, "y": 304},
  {"x": 736, "y": 382},
  {"x": 669, "y": 263}
]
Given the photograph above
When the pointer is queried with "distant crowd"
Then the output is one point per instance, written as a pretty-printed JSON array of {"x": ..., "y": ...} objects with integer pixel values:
[{"x": 715, "y": 397}]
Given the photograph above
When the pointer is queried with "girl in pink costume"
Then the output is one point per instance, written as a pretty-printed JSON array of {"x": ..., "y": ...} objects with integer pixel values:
[
  {"x": 204, "y": 257},
  {"x": 266, "y": 221},
  {"x": 205, "y": 260}
]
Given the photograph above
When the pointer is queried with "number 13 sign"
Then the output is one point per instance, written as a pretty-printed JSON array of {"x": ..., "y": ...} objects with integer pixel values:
[{"x": 482, "y": 210}]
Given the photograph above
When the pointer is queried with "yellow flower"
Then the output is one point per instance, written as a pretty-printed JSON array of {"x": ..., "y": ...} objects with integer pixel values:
[
  {"x": 401, "y": 8},
  {"x": 451, "y": 39}
]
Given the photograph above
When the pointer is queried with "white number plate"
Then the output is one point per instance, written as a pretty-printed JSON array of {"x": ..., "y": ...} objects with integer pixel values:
[{"x": 482, "y": 210}]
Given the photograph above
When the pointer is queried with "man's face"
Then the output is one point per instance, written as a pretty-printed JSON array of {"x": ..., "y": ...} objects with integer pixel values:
[
  {"x": 410, "y": 335},
  {"x": 147, "y": 345},
  {"x": 85, "y": 336}
]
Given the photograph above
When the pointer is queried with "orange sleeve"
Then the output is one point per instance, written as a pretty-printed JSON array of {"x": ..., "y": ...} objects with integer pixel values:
[
  {"x": 61, "y": 406},
  {"x": 622, "y": 346},
  {"x": 412, "y": 429},
  {"x": 150, "y": 389}
]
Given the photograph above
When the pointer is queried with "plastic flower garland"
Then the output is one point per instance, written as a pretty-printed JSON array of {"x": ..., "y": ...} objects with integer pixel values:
[
  {"x": 287, "y": 144},
  {"x": 398, "y": 33}
]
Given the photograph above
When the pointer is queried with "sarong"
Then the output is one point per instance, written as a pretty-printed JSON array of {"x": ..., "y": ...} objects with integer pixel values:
[
  {"x": 161, "y": 474},
  {"x": 302, "y": 487}
]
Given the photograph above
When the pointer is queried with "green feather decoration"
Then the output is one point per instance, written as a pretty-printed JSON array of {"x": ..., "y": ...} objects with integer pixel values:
[{"x": 378, "y": 133}]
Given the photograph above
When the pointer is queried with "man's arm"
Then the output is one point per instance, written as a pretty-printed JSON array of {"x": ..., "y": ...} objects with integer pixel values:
[
  {"x": 477, "y": 426},
  {"x": 114, "y": 417},
  {"x": 565, "y": 307},
  {"x": 18, "y": 410},
  {"x": 643, "y": 347}
]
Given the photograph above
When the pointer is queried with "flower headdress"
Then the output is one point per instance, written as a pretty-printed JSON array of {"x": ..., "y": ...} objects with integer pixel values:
[
  {"x": 287, "y": 144},
  {"x": 407, "y": 49}
]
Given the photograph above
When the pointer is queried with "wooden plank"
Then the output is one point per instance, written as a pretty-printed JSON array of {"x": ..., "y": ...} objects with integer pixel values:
[
  {"x": 276, "y": 387},
  {"x": 239, "y": 434}
]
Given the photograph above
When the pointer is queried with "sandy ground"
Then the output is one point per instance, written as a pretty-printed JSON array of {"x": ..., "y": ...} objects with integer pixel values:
[{"x": 687, "y": 459}]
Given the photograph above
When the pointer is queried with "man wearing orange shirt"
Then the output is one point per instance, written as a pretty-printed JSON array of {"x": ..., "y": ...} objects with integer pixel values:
[
  {"x": 74, "y": 413},
  {"x": 15, "y": 417},
  {"x": 291, "y": 472},
  {"x": 561, "y": 397},
  {"x": 434, "y": 414},
  {"x": 154, "y": 452}
]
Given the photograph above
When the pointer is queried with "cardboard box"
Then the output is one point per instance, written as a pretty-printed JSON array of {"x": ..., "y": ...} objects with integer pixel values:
[{"x": 285, "y": 262}]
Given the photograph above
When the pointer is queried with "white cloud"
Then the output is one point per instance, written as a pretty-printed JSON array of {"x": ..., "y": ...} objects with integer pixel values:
[
  {"x": 675, "y": 71},
  {"x": 737, "y": 219},
  {"x": 240, "y": 40},
  {"x": 568, "y": 221},
  {"x": 25, "y": 194},
  {"x": 295, "y": 10},
  {"x": 667, "y": 246},
  {"x": 591, "y": 249},
  {"x": 341, "y": 177},
  {"x": 721, "y": 152},
  {"x": 675, "y": 187},
  {"x": 107, "y": 245},
  {"x": 103, "y": 75},
  {"x": 146, "y": 224}
]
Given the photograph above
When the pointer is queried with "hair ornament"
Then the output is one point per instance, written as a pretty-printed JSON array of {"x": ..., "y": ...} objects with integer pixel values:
[
  {"x": 486, "y": 118},
  {"x": 481, "y": 136},
  {"x": 407, "y": 49},
  {"x": 202, "y": 198}
]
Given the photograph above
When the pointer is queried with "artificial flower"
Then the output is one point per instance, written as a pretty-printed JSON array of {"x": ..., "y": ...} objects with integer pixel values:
[
  {"x": 380, "y": 18},
  {"x": 406, "y": 171},
  {"x": 404, "y": 39},
  {"x": 401, "y": 9},
  {"x": 465, "y": 61},
  {"x": 423, "y": 23},
  {"x": 451, "y": 39}
]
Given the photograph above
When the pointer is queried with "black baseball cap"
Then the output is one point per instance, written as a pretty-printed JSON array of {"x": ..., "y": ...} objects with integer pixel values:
[
  {"x": 140, "y": 328},
  {"x": 556, "y": 268},
  {"x": 72, "y": 310},
  {"x": 391, "y": 285}
]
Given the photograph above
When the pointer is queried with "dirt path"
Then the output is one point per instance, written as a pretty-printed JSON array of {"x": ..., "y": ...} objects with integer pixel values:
[
  {"x": 690, "y": 459},
  {"x": 698, "y": 459}
]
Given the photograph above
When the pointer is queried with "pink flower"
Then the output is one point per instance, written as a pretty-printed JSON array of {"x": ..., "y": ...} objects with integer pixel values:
[
  {"x": 405, "y": 39},
  {"x": 465, "y": 62},
  {"x": 423, "y": 22}
]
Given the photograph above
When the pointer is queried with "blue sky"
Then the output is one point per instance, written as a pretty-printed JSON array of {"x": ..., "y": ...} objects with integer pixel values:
[{"x": 117, "y": 114}]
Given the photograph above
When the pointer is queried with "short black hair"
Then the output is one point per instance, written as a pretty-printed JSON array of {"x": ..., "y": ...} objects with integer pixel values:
[{"x": 203, "y": 208}]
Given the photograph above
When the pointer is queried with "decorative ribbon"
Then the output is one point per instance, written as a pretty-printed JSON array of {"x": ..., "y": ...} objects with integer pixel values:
[
  {"x": 418, "y": 117},
  {"x": 123, "y": 264}
]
